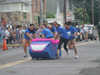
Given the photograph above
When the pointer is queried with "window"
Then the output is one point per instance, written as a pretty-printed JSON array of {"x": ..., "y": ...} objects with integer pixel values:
[
  {"x": 35, "y": 4},
  {"x": 21, "y": 6},
  {"x": 42, "y": 4},
  {"x": 70, "y": 5}
]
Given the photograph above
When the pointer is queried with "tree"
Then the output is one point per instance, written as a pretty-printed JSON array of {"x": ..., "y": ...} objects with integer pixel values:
[
  {"x": 79, "y": 14},
  {"x": 50, "y": 15},
  {"x": 88, "y": 5}
]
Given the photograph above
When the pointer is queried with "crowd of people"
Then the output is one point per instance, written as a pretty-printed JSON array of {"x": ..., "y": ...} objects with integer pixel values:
[{"x": 13, "y": 34}]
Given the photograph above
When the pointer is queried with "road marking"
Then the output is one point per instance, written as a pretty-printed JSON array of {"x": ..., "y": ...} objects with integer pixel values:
[
  {"x": 28, "y": 59},
  {"x": 14, "y": 63}
]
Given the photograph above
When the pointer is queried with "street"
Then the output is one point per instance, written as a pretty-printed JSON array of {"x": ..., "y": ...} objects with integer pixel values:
[{"x": 12, "y": 62}]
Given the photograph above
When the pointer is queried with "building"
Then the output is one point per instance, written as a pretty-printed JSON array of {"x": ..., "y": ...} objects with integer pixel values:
[
  {"x": 23, "y": 12},
  {"x": 36, "y": 11},
  {"x": 57, "y": 6}
]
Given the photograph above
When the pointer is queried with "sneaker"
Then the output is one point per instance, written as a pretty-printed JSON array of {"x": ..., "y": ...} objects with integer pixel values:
[
  {"x": 76, "y": 57},
  {"x": 68, "y": 53},
  {"x": 25, "y": 55},
  {"x": 57, "y": 56},
  {"x": 86, "y": 40}
]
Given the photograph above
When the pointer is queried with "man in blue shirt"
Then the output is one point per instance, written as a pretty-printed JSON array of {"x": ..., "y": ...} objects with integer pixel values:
[
  {"x": 78, "y": 29},
  {"x": 53, "y": 29},
  {"x": 28, "y": 37},
  {"x": 46, "y": 33}
]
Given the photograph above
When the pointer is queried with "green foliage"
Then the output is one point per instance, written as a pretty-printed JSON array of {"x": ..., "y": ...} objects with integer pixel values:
[
  {"x": 50, "y": 15},
  {"x": 79, "y": 14},
  {"x": 80, "y": 4}
]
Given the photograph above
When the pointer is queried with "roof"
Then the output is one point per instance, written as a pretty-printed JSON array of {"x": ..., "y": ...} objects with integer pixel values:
[
  {"x": 14, "y": 1},
  {"x": 51, "y": 5}
]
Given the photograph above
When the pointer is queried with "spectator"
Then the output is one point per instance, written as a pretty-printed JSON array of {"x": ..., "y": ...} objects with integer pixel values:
[
  {"x": 2, "y": 33},
  {"x": 14, "y": 33},
  {"x": 0, "y": 24},
  {"x": 20, "y": 29},
  {"x": 9, "y": 25},
  {"x": 11, "y": 38},
  {"x": 14, "y": 25},
  {"x": 85, "y": 30},
  {"x": 95, "y": 31},
  {"x": 78, "y": 29},
  {"x": 37, "y": 33},
  {"x": 17, "y": 38},
  {"x": 4, "y": 23},
  {"x": 23, "y": 31},
  {"x": 7, "y": 33}
]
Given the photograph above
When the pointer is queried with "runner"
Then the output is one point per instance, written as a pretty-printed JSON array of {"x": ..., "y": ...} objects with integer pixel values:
[
  {"x": 72, "y": 40},
  {"x": 64, "y": 37},
  {"x": 28, "y": 37},
  {"x": 46, "y": 33},
  {"x": 52, "y": 28}
]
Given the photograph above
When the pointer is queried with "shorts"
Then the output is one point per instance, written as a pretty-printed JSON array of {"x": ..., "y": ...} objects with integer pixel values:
[
  {"x": 27, "y": 39},
  {"x": 85, "y": 35},
  {"x": 17, "y": 37},
  {"x": 72, "y": 41}
]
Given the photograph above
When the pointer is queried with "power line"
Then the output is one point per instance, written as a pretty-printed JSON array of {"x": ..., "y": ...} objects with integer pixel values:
[
  {"x": 88, "y": 5},
  {"x": 78, "y": 2}
]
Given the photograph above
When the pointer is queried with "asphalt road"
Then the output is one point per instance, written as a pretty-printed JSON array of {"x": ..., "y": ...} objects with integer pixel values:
[{"x": 12, "y": 62}]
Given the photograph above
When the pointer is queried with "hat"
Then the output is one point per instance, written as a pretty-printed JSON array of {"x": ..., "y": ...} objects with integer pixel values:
[
  {"x": 9, "y": 22},
  {"x": 77, "y": 26}
]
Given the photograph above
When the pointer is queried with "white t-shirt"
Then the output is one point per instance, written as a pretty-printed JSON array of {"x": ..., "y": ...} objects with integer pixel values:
[
  {"x": 10, "y": 26},
  {"x": 7, "y": 33},
  {"x": 84, "y": 30}
]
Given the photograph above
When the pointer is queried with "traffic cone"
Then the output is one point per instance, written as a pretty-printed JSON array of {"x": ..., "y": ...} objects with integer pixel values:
[
  {"x": 4, "y": 45},
  {"x": 27, "y": 45}
]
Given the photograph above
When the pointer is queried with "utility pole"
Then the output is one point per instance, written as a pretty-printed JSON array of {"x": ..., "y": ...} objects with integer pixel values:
[
  {"x": 65, "y": 11},
  {"x": 41, "y": 12},
  {"x": 99, "y": 9},
  {"x": 84, "y": 11},
  {"x": 92, "y": 12}
]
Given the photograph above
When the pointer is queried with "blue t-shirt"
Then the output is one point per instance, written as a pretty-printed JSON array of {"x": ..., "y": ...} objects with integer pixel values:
[
  {"x": 72, "y": 30},
  {"x": 53, "y": 29},
  {"x": 47, "y": 33},
  {"x": 28, "y": 31},
  {"x": 62, "y": 32},
  {"x": 78, "y": 29}
]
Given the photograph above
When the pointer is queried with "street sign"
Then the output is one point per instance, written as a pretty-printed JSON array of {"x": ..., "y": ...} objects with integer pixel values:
[{"x": 24, "y": 15}]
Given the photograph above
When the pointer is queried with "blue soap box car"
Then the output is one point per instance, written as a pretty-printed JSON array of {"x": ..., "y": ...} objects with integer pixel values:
[{"x": 43, "y": 48}]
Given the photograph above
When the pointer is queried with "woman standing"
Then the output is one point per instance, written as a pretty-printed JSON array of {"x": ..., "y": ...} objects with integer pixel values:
[
  {"x": 28, "y": 37},
  {"x": 2, "y": 32},
  {"x": 64, "y": 37},
  {"x": 7, "y": 33},
  {"x": 20, "y": 28},
  {"x": 72, "y": 40},
  {"x": 17, "y": 35}
]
